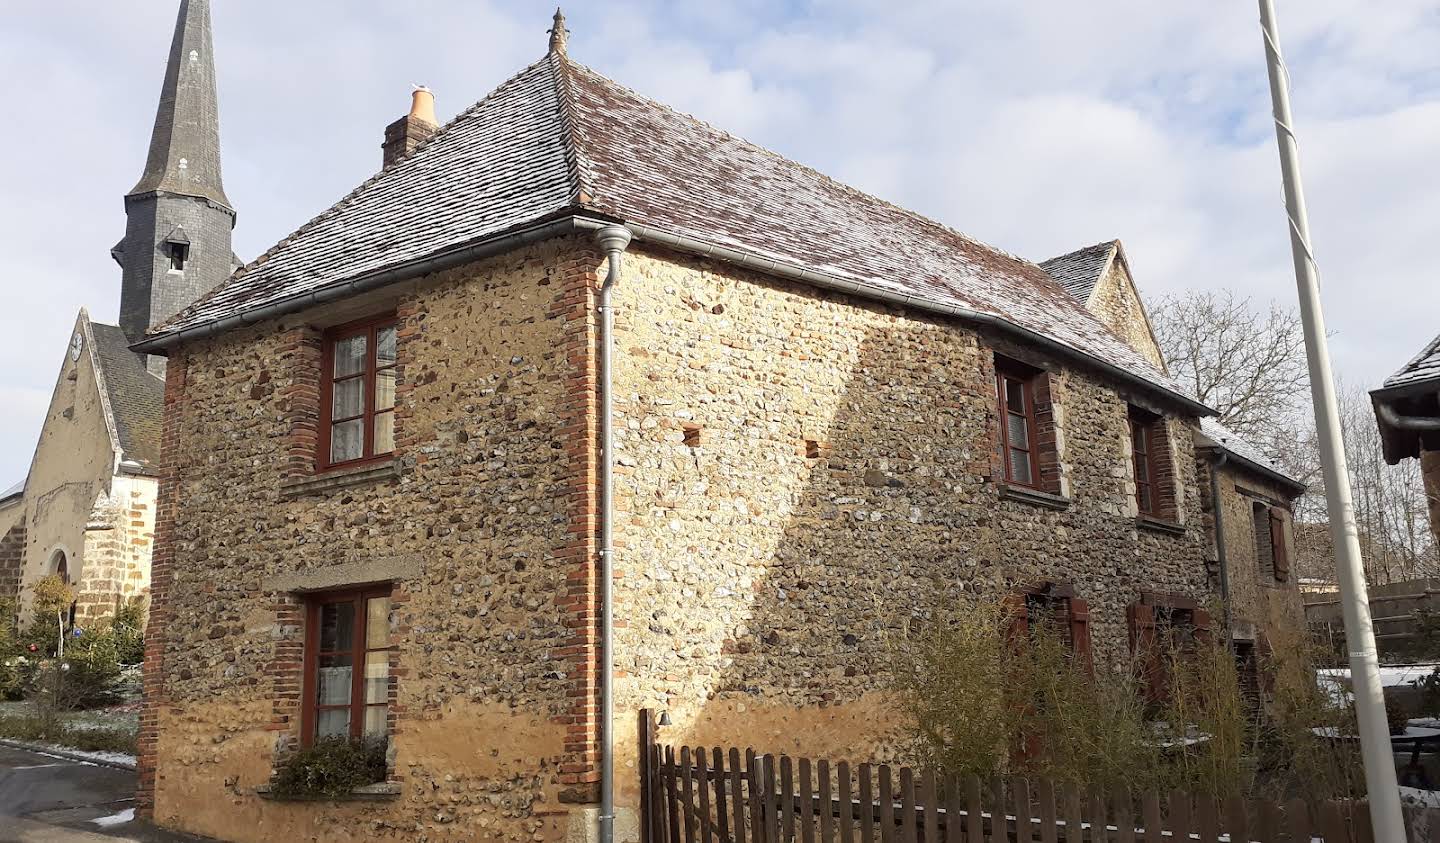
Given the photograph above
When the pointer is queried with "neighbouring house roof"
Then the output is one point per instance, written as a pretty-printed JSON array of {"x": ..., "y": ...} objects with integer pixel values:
[
  {"x": 1216, "y": 435},
  {"x": 1423, "y": 368},
  {"x": 559, "y": 140},
  {"x": 1079, "y": 271},
  {"x": 136, "y": 398},
  {"x": 1413, "y": 392}
]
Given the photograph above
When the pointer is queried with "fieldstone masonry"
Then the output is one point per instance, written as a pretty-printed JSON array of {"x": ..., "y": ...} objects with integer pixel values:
[{"x": 800, "y": 477}]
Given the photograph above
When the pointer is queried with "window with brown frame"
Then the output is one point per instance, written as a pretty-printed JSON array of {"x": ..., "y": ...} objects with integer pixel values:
[
  {"x": 1162, "y": 626},
  {"x": 1143, "y": 448},
  {"x": 1056, "y": 606},
  {"x": 1271, "y": 552},
  {"x": 347, "y": 665},
  {"x": 358, "y": 393},
  {"x": 1015, "y": 392}
]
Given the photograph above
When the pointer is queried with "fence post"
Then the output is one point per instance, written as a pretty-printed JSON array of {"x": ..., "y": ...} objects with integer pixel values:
[{"x": 647, "y": 808}]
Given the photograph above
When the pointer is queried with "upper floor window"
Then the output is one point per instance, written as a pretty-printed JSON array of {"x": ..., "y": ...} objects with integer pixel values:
[
  {"x": 1270, "y": 549},
  {"x": 347, "y": 665},
  {"x": 358, "y": 393},
  {"x": 1015, "y": 390},
  {"x": 1143, "y": 441}
]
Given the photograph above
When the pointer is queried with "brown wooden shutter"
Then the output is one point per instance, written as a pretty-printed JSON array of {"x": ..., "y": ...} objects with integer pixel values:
[
  {"x": 1279, "y": 550},
  {"x": 1142, "y": 646},
  {"x": 1019, "y": 620},
  {"x": 1080, "y": 632},
  {"x": 1203, "y": 626}
]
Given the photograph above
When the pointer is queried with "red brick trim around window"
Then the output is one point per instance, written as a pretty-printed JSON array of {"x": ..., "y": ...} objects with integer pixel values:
[
  {"x": 577, "y": 282},
  {"x": 300, "y": 357},
  {"x": 162, "y": 562},
  {"x": 369, "y": 414},
  {"x": 1152, "y": 465}
]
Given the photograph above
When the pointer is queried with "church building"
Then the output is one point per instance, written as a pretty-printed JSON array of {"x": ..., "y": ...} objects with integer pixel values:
[{"x": 86, "y": 509}]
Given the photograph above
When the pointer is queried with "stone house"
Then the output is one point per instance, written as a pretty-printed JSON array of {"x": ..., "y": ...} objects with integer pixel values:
[
  {"x": 382, "y": 447},
  {"x": 86, "y": 509},
  {"x": 1407, "y": 408}
]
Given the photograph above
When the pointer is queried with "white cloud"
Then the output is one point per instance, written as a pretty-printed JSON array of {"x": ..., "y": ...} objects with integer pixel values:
[{"x": 1038, "y": 126}]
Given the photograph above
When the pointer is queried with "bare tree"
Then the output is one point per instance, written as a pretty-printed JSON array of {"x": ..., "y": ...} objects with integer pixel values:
[
  {"x": 1245, "y": 360},
  {"x": 1248, "y": 362}
]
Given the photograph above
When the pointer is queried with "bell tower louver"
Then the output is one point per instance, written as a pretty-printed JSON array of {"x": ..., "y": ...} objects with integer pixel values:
[{"x": 177, "y": 244}]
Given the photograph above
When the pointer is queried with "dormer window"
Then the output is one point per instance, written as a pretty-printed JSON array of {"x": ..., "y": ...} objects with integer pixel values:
[{"x": 178, "y": 254}]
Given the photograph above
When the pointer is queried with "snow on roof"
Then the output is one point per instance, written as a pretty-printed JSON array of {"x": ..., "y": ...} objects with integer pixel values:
[{"x": 559, "y": 138}]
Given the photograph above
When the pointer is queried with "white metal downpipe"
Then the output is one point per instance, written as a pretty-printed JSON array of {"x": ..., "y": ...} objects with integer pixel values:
[{"x": 613, "y": 239}]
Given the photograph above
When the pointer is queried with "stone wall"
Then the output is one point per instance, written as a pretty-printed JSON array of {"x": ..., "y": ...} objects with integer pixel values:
[
  {"x": 1261, "y": 606},
  {"x": 802, "y": 479},
  {"x": 1116, "y": 302},
  {"x": 117, "y": 548},
  {"x": 474, "y": 525},
  {"x": 12, "y": 560}
]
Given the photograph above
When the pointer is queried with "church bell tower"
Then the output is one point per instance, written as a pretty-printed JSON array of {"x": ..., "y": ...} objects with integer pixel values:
[{"x": 178, "y": 218}]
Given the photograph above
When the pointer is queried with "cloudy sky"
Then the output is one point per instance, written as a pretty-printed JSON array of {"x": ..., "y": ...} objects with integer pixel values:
[{"x": 1037, "y": 126}]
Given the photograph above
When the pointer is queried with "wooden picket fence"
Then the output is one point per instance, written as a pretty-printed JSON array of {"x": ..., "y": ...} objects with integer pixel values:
[{"x": 719, "y": 795}]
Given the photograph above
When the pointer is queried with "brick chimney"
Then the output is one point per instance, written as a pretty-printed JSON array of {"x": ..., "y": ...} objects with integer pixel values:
[{"x": 413, "y": 129}]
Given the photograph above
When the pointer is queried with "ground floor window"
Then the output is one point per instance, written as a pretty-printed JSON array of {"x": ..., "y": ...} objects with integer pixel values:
[{"x": 347, "y": 664}]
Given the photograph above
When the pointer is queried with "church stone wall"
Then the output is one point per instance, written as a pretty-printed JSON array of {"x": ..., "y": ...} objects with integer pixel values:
[
  {"x": 73, "y": 466},
  {"x": 117, "y": 549}
]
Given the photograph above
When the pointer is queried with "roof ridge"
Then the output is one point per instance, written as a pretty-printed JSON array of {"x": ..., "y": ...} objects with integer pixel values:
[
  {"x": 847, "y": 188},
  {"x": 576, "y": 161},
  {"x": 1112, "y": 243},
  {"x": 345, "y": 200}
]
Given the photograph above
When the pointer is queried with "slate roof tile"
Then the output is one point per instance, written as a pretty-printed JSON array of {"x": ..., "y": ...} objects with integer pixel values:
[
  {"x": 1079, "y": 271},
  {"x": 137, "y": 398},
  {"x": 560, "y": 138},
  {"x": 1424, "y": 367}
]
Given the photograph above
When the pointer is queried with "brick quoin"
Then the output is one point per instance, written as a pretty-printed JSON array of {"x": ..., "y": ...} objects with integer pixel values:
[
  {"x": 161, "y": 575},
  {"x": 579, "y": 601}
]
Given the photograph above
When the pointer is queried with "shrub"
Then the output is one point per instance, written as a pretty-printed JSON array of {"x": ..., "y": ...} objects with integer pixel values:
[
  {"x": 52, "y": 600},
  {"x": 1396, "y": 717},
  {"x": 129, "y": 628},
  {"x": 43, "y": 730},
  {"x": 330, "y": 768}
]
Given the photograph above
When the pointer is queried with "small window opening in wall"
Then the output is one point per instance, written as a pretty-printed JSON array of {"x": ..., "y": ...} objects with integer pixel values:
[
  {"x": 178, "y": 254},
  {"x": 812, "y": 449},
  {"x": 692, "y": 435}
]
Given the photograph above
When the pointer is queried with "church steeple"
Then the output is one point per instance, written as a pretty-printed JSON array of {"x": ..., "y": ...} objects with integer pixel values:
[
  {"x": 185, "y": 144},
  {"x": 178, "y": 218}
]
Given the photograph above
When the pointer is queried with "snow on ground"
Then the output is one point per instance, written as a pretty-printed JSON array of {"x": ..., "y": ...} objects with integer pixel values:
[
  {"x": 1416, "y": 796},
  {"x": 125, "y": 816},
  {"x": 121, "y": 759}
]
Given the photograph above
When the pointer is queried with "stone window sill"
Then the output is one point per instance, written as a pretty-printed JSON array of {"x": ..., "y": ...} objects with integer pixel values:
[
  {"x": 1034, "y": 497},
  {"x": 1159, "y": 525},
  {"x": 342, "y": 478},
  {"x": 379, "y": 791}
]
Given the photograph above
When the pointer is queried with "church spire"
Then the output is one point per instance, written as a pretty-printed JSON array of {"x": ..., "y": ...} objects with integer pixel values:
[
  {"x": 178, "y": 221},
  {"x": 184, "y": 154}
]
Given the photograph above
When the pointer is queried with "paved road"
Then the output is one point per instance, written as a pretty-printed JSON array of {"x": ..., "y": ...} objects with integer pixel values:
[{"x": 44, "y": 799}]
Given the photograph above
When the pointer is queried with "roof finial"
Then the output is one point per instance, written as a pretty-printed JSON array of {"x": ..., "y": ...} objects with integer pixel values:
[{"x": 558, "y": 33}]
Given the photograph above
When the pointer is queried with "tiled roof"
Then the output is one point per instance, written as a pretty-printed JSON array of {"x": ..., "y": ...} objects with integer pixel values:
[
  {"x": 136, "y": 397},
  {"x": 1425, "y": 367},
  {"x": 560, "y": 139},
  {"x": 1231, "y": 442},
  {"x": 1079, "y": 271}
]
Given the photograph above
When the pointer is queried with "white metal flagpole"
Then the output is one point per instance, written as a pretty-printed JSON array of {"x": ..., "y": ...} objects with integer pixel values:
[{"x": 1375, "y": 749}]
